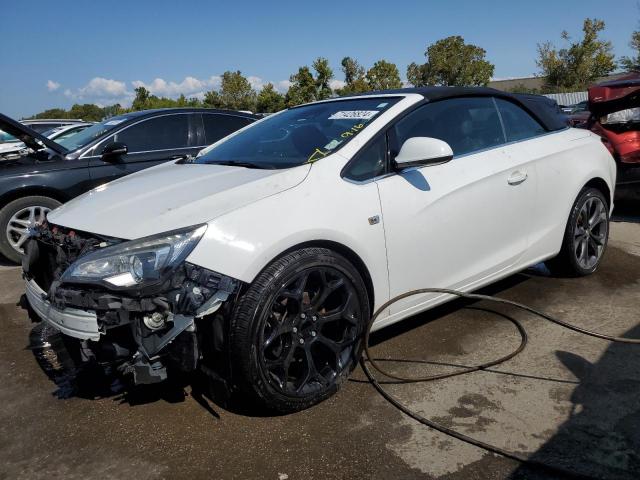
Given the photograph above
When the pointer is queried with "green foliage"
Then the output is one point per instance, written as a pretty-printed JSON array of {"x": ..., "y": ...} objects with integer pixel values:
[
  {"x": 305, "y": 87},
  {"x": 212, "y": 100},
  {"x": 236, "y": 92},
  {"x": 324, "y": 74},
  {"x": 451, "y": 61},
  {"x": 302, "y": 89},
  {"x": 269, "y": 100},
  {"x": 88, "y": 111},
  {"x": 52, "y": 113},
  {"x": 383, "y": 76},
  {"x": 578, "y": 65},
  {"x": 144, "y": 101},
  {"x": 631, "y": 64},
  {"x": 354, "y": 77}
]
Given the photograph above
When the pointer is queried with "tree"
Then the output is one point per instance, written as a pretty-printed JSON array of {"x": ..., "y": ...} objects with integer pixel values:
[
  {"x": 236, "y": 92},
  {"x": 141, "y": 99},
  {"x": 324, "y": 74},
  {"x": 383, "y": 76},
  {"x": 52, "y": 113},
  {"x": 269, "y": 100},
  {"x": 112, "y": 110},
  {"x": 578, "y": 65},
  {"x": 451, "y": 61},
  {"x": 354, "y": 77},
  {"x": 302, "y": 88},
  {"x": 87, "y": 111},
  {"x": 630, "y": 64},
  {"x": 212, "y": 100}
]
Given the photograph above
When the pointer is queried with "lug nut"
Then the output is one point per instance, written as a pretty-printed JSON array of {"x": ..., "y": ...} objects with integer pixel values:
[
  {"x": 313, "y": 333},
  {"x": 314, "y": 318},
  {"x": 302, "y": 315},
  {"x": 301, "y": 340},
  {"x": 295, "y": 330}
]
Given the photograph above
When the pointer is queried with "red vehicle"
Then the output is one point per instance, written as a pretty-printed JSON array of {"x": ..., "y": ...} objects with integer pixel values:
[{"x": 615, "y": 116}]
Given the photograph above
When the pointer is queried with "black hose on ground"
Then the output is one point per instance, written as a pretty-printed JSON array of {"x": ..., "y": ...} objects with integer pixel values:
[{"x": 367, "y": 358}]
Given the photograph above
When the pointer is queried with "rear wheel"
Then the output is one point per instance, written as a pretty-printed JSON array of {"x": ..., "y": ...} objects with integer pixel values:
[
  {"x": 586, "y": 235},
  {"x": 296, "y": 334},
  {"x": 15, "y": 220}
]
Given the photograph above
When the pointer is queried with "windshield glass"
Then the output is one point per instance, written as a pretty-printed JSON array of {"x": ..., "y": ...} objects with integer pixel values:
[
  {"x": 300, "y": 135},
  {"x": 86, "y": 136},
  {"x": 5, "y": 137}
]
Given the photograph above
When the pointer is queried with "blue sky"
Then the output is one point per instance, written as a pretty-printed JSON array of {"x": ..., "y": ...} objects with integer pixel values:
[{"x": 63, "y": 52}]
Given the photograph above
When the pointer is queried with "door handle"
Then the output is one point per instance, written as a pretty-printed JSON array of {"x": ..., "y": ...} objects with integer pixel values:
[{"x": 517, "y": 178}]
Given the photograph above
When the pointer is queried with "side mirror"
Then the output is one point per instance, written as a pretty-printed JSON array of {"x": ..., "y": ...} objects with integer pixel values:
[
  {"x": 113, "y": 151},
  {"x": 421, "y": 151}
]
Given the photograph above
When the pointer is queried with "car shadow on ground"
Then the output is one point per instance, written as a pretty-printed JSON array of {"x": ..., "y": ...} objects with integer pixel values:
[
  {"x": 601, "y": 438},
  {"x": 626, "y": 210}
]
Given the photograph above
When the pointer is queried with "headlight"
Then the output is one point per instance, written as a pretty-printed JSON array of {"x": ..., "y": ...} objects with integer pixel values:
[{"x": 136, "y": 262}]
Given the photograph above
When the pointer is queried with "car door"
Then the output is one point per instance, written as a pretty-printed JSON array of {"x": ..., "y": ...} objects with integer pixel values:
[
  {"x": 150, "y": 141},
  {"x": 457, "y": 224}
]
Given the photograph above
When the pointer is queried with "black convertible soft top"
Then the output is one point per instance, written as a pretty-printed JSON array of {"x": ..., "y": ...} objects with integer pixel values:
[{"x": 544, "y": 109}]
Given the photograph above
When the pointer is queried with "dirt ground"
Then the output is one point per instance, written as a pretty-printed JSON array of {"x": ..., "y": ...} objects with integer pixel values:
[{"x": 567, "y": 399}]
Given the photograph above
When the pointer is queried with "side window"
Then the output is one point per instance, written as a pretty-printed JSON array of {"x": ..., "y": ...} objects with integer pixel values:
[
  {"x": 219, "y": 126},
  {"x": 159, "y": 133},
  {"x": 370, "y": 161},
  {"x": 467, "y": 124},
  {"x": 518, "y": 124}
]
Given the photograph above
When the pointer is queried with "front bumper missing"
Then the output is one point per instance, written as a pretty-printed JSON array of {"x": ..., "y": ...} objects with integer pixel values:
[{"x": 76, "y": 323}]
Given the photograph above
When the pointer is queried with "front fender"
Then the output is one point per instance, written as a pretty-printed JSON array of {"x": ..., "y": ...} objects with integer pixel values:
[{"x": 243, "y": 242}]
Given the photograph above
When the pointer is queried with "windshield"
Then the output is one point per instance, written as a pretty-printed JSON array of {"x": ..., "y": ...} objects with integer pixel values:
[
  {"x": 91, "y": 133},
  {"x": 5, "y": 137},
  {"x": 300, "y": 135}
]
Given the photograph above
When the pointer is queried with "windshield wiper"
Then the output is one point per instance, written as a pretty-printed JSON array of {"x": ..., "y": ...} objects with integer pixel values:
[{"x": 235, "y": 163}]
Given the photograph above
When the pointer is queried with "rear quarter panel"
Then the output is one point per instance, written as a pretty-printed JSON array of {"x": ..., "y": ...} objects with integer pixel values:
[{"x": 565, "y": 162}]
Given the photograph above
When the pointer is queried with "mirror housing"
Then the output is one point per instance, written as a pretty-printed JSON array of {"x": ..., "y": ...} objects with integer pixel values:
[
  {"x": 113, "y": 151},
  {"x": 421, "y": 151}
]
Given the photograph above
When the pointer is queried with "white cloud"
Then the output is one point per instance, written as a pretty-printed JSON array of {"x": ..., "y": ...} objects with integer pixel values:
[
  {"x": 189, "y": 86},
  {"x": 256, "y": 83},
  {"x": 336, "y": 84},
  {"x": 283, "y": 85},
  {"x": 102, "y": 91},
  {"x": 99, "y": 87},
  {"x": 52, "y": 86}
]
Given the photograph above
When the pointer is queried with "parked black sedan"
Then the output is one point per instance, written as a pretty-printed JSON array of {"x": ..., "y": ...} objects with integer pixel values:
[{"x": 54, "y": 172}]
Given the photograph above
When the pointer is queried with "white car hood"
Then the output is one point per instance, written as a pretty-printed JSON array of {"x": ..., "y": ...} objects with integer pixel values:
[{"x": 171, "y": 196}]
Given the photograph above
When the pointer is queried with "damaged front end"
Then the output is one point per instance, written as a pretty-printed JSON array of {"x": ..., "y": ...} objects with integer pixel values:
[{"x": 135, "y": 305}]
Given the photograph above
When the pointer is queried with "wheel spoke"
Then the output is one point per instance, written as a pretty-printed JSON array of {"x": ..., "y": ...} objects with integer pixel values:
[
  {"x": 282, "y": 327},
  {"x": 20, "y": 221},
  {"x": 584, "y": 256},
  {"x": 327, "y": 289},
  {"x": 311, "y": 372}
]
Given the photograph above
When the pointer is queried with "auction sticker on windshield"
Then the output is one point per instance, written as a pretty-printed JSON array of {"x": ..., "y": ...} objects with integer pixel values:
[{"x": 354, "y": 115}]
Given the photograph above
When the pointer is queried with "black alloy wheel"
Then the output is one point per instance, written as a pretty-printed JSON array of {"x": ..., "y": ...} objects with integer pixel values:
[{"x": 297, "y": 332}]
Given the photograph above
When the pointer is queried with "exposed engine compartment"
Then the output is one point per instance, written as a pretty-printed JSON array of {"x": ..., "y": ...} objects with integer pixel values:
[{"x": 142, "y": 331}]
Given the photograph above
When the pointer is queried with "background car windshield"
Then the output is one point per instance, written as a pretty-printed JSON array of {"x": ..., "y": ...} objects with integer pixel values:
[
  {"x": 94, "y": 131},
  {"x": 300, "y": 135},
  {"x": 5, "y": 137}
]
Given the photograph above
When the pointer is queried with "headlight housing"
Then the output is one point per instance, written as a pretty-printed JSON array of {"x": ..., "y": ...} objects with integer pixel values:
[{"x": 135, "y": 263}]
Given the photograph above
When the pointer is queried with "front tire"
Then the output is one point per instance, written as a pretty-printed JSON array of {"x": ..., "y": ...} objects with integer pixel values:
[
  {"x": 296, "y": 334},
  {"x": 586, "y": 236},
  {"x": 17, "y": 217}
]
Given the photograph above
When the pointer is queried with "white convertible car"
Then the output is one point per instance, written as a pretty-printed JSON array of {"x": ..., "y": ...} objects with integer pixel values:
[{"x": 264, "y": 257}]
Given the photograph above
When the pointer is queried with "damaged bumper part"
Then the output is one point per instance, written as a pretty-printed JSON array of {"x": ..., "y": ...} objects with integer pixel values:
[
  {"x": 135, "y": 305},
  {"x": 76, "y": 323}
]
